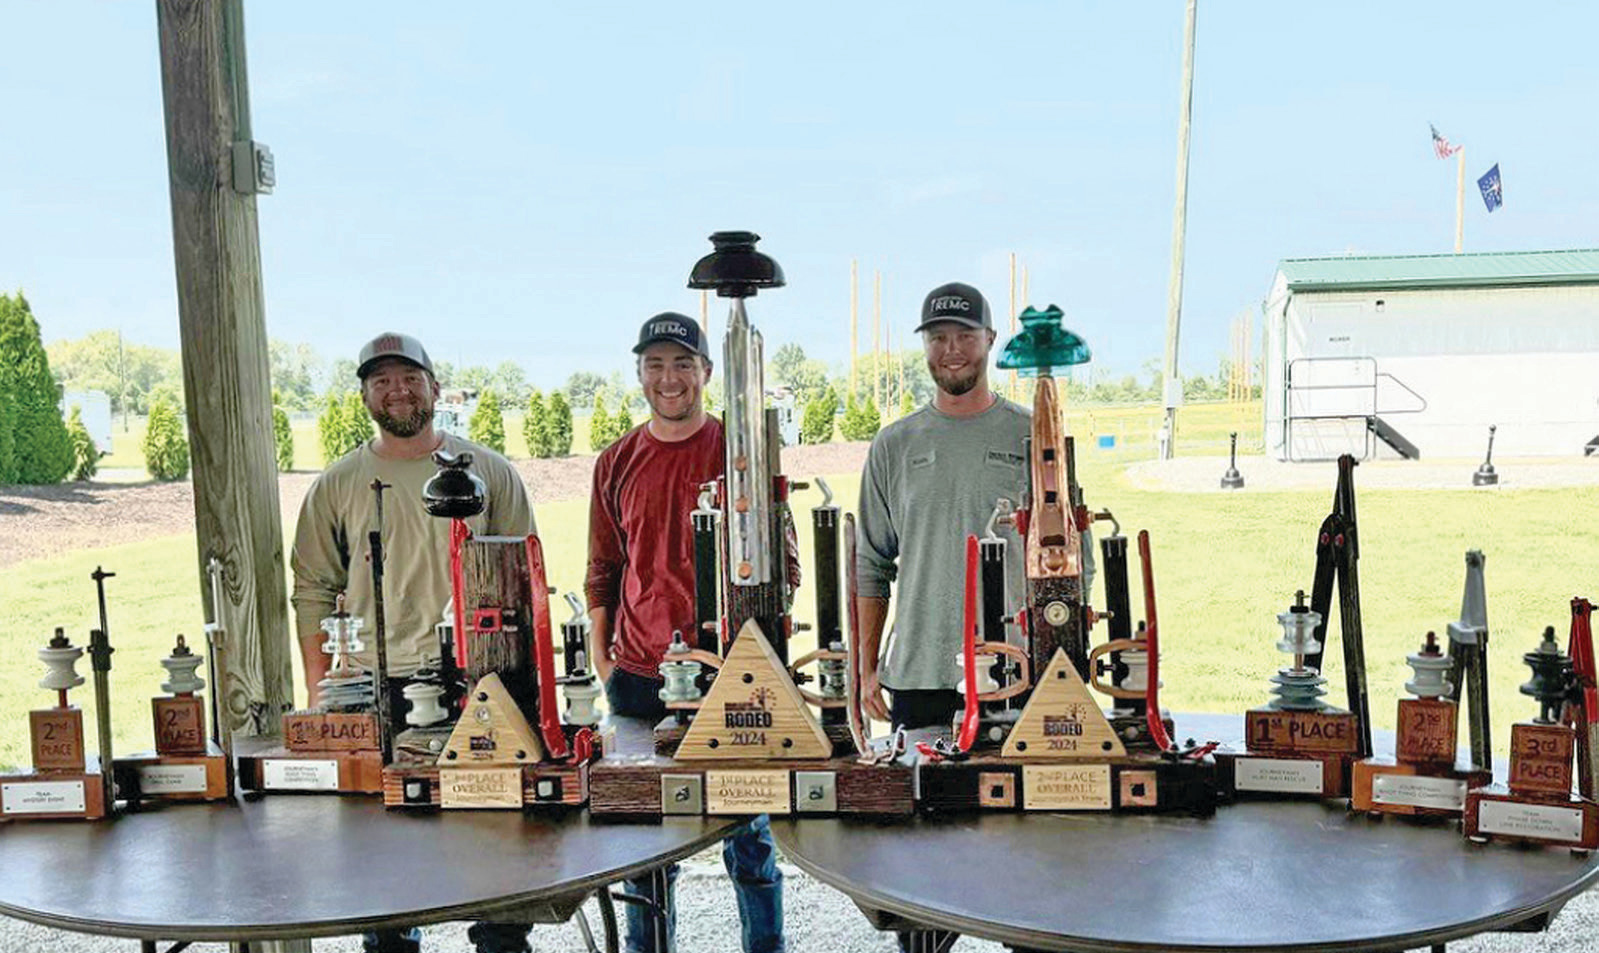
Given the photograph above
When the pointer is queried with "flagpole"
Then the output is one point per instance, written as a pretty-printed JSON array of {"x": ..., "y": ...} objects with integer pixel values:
[{"x": 1460, "y": 198}]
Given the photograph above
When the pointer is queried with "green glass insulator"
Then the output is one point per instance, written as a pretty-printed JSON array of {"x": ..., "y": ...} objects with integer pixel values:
[{"x": 1043, "y": 343}]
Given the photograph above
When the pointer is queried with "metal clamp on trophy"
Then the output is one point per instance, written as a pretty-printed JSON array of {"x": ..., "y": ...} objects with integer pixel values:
[
  {"x": 186, "y": 764},
  {"x": 730, "y": 690},
  {"x": 506, "y": 746},
  {"x": 1539, "y": 806},
  {"x": 1421, "y": 779},
  {"x": 1031, "y": 736},
  {"x": 1297, "y": 744}
]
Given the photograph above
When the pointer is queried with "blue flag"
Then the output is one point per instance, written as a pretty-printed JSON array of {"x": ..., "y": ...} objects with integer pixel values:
[{"x": 1492, "y": 195}]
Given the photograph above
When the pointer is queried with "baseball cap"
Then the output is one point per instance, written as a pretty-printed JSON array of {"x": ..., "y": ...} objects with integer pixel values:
[
  {"x": 957, "y": 302},
  {"x": 392, "y": 344},
  {"x": 673, "y": 327}
]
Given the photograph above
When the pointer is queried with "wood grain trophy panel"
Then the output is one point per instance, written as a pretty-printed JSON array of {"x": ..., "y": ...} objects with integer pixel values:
[
  {"x": 1275, "y": 731},
  {"x": 753, "y": 710},
  {"x": 1062, "y": 721},
  {"x": 179, "y": 725},
  {"x": 330, "y": 731},
  {"x": 1540, "y": 759},
  {"x": 57, "y": 735},
  {"x": 1426, "y": 731},
  {"x": 492, "y": 731}
]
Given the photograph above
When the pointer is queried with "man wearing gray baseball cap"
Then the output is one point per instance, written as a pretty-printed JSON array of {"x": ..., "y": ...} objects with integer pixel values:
[
  {"x": 932, "y": 477},
  {"x": 330, "y": 547}
]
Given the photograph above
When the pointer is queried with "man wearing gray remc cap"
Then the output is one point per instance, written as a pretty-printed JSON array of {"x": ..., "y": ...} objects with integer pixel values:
[{"x": 958, "y": 302}]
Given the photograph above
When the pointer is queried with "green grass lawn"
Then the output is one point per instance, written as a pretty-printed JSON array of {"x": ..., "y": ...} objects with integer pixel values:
[{"x": 1225, "y": 565}]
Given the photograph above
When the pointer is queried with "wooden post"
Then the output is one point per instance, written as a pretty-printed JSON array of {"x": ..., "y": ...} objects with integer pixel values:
[
  {"x": 1174, "y": 296},
  {"x": 222, "y": 327},
  {"x": 1460, "y": 199},
  {"x": 877, "y": 340},
  {"x": 854, "y": 347}
]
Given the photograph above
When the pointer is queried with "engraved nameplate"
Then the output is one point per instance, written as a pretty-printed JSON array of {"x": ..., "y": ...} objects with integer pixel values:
[
  {"x": 1063, "y": 787},
  {"x": 172, "y": 778},
  {"x": 287, "y": 774},
  {"x": 1516, "y": 819},
  {"x": 43, "y": 797},
  {"x": 746, "y": 792},
  {"x": 480, "y": 787},
  {"x": 1278, "y": 775},
  {"x": 1442, "y": 794}
]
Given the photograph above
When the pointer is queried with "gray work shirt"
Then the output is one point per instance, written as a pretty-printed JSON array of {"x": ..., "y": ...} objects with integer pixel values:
[{"x": 930, "y": 480}]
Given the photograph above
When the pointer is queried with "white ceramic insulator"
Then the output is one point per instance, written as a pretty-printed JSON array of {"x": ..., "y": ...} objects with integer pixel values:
[
  {"x": 343, "y": 633},
  {"x": 1137, "y": 662},
  {"x": 425, "y": 708},
  {"x": 580, "y": 699},
  {"x": 1299, "y": 633},
  {"x": 59, "y": 674},
  {"x": 181, "y": 679},
  {"x": 985, "y": 677},
  {"x": 1429, "y": 681}
]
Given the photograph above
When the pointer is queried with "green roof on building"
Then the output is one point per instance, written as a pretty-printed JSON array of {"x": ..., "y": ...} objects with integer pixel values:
[{"x": 1400, "y": 272}]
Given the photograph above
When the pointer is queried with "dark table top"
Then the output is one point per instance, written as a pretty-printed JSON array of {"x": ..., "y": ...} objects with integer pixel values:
[
  {"x": 292, "y": 866},
  {"x": 1260, "y": 875}
]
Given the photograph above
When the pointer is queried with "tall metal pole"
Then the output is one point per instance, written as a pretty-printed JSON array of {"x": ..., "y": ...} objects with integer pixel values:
[
  {"x": 854, "y": 329},
  {"x": 1460, "y": 198},
  {"x": 1174, "y": 296}
]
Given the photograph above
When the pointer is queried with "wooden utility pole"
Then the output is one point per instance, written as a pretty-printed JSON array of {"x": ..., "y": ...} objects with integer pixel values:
[
  {"x": 222, "y": 326},
  {"x": 1174, "y": 296},
  {"x": 854, "y": 347},
  {"x": 705, "y": 314},
  {"x": 1460, "y": 199},
  {"x": 1014, "y": 387},
  {"x": 877, "y": 339}
]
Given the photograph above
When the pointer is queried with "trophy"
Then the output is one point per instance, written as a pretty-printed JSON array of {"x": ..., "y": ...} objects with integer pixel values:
[
  {"x": 1421, "y": 779},
  {"x": 1539, "y": 805},
  {"x": 741, "y": 736},
  {"x": 65, "y": 781},
  {"x": 186, "y": 765},
  {"x": 1031, "y": 736},
  {"x": 336, "y": 746},
  {"x": 505, "y": 745}
]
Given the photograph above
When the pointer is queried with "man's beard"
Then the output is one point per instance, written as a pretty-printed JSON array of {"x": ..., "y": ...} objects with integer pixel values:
[
  {"x": 954, "y": 383},
  {"x": 407, "y": 425}
]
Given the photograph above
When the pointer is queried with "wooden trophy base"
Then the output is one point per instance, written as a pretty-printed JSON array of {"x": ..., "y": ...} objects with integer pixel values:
[
  {"x": 1256, "y": 776},
  {"x": 1495, "y": 813},
  {"x": 280, "y": 770},
  {"x": 1386, "y": 786},
  {"x": 179, "y": 725},
  {"x": 510, "y": 787},
  {"x": 54, "y": 795},
  {"x": 152, "y": 776},
  {"x": 1131, "y": 784},
  {"x": 653, "y": 786}
]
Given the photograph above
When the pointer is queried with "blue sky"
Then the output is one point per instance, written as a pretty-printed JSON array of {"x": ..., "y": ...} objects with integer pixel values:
[{"x": 530, "y": 181}]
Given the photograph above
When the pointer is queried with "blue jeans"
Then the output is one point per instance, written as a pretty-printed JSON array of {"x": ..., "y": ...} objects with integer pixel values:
[
  {"x": 749, "y": 854},
  {"x": 485, "y": 937}
]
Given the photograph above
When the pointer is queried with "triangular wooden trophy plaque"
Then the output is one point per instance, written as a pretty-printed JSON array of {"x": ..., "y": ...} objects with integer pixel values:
[
  {"x": 753, "y": 710},
  {"x": 1062, "y": 721},
  {"x": 492, "y": 731}
]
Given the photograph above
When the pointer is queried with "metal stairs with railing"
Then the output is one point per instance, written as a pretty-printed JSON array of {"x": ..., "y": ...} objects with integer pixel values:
[{"x": 1384, "y": 431}]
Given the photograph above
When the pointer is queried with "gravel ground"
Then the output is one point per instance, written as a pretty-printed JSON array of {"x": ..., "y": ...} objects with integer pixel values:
[
  {"x": 818, "y": 919},
  {"x": 1203, "y": 474}
]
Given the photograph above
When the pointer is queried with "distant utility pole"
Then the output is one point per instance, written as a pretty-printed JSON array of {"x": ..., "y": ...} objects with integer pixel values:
[
  {"x": 1013, "y": 384},
  {"x": 854, "y": 332},
  {"x": 1174, "y": 298},
  {"x": 214, "y": 170},
  {"x": 877, "y": 339},
  {"x": 1460, "y": 199}
]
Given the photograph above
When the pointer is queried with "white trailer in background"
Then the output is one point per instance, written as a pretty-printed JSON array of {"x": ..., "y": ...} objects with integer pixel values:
[
  {"x": 1411, "y": 355},
  {"x": 95, "y": 407}
]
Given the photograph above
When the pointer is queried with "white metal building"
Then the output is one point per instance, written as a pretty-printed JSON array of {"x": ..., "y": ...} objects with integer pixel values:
[{"x": 1417, "y": 355}]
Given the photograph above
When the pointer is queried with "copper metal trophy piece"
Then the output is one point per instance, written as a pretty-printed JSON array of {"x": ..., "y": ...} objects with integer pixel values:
[
  {"x": 1031, "y": 736},
  {"x": 1298, "y": 745},
  {"x": 1540, "y": 806},
  {"x": 186, "y": 764},
  {"x": 504, "y": 745},
  {"x": 742, "y": 736},
  {"x": 66, "y": 782}
]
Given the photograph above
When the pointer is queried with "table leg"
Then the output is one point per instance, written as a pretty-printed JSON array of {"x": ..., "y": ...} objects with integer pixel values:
[
  {"x": 271, "y": 946},
  {"x": 661, "y": 886},
  {"x": 927, "y": 941}
]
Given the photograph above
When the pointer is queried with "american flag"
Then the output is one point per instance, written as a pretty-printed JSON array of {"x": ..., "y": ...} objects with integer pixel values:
[{"x": 1440, "y": 145}]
